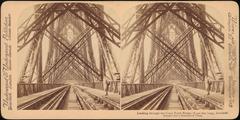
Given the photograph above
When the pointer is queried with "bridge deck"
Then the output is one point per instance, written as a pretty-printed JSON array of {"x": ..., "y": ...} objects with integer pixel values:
[{"x": 133, "y": 97}]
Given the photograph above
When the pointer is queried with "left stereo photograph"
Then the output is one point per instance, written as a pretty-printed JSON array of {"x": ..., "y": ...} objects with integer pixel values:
[{"x": 67, "y": 58}]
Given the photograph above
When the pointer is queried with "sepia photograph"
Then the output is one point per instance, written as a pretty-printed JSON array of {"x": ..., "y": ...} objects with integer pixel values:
[
  {"x": 119, "y": 60},
  {"x": 174, "y": 59},
  {"x": 66, "y": 58}
]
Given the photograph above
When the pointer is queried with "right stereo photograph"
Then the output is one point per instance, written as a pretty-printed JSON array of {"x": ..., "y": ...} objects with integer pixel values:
[{"x": 173, "y": 58}]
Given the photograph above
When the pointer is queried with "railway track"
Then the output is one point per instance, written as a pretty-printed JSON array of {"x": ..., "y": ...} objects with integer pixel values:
[
  {"x": 57, "y": 99},
  {"x": 171, "y": 97},
  {"x": 193, "y": 101},
  {"x": 82, "y": 100},
  {"x": 46, "y": 101},
  {"x": 100, "y": 102},
  {"x": 157, "y": 102},
  {"x": 149, "y": 102}
]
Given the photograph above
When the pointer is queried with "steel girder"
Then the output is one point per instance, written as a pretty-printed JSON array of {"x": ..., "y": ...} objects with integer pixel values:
[
  {"x": 135, "y": 55},
  {"x": 31, "y": 29},
  {"x": 213, "y": 27},
  {"x": 109, "y": 26},
  {"x": 172, "y": 62},
  {"x": 178, "y": 67},
  {"x": 63, "y": 48},
  {"x": 66, "y": 67},
  {"x": 108, "y": 58},
  {"x": 174, "y": 51},
  {"x": 144, "y": 22},
  {"x": 163, "y": 61},
  {"x": 32, "y": 55},
  {"x": 178, "y": 54},
  {"x": 112, "y": 32},
  {"x": 77, "y": 53},
  {"x": 69, "y": 62},
  {"x": 75, "y": 59},
  {"x": 166, "y": 20}
]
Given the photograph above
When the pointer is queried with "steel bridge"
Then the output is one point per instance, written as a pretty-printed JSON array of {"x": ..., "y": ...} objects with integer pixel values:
[
  {"x": 174, "y": 77},
  {"x": 71, "y": 77},
  {"x": 69, "y": 59}
]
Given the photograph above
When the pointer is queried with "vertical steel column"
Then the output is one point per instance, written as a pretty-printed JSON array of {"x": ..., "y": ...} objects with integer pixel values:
[
  {"x": 34, "y": 61},
  {"x": 50, "y": 52},
  {"x": 101, "y": 54},
  {"x": 90, "y": 52},
  {"x": 83, "y": 49},
  {"x": 203, "y": 52},
  {"x": 153, "y": 50},
  {"x": 141, "y": 62},
  {"x": 40, "y": 63},
  {"x": 30, "y": 53},
  {"x": 192, "y": 49}
]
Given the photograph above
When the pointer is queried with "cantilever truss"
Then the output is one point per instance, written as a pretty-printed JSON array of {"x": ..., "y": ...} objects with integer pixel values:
[
  {"x": 154, "y": 21},
  {"x": 51, "y": 21}
]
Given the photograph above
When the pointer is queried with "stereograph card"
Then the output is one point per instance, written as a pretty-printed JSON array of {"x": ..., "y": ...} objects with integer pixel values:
[{"x": 119, "y": 60}]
